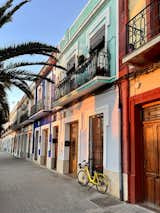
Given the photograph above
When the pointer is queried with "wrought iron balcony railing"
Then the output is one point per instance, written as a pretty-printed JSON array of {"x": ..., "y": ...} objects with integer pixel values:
[
  {"x": 15, "y": 125},
  {"x": 40, "y": 105},
  {"x": 143, "y": 27},
  {"x": 33, "y": 110},
  {"x": 95, "y": 65},
  {"x": 23, "y": 117}
]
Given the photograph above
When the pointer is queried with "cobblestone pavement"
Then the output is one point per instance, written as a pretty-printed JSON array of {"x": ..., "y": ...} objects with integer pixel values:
[{"x": 28, "y": 188}]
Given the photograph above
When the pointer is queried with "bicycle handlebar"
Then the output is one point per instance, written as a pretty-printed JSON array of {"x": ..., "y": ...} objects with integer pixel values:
[{"x": 84, "y": 161}]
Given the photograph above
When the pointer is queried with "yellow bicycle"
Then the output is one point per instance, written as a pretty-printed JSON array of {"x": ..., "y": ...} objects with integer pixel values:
[{"x": 100, "y": 180}]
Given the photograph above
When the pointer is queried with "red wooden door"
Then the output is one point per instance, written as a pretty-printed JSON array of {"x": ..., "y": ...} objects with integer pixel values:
[
  {"x": 29, "y": 145},
  {"x": 46, "y": 146},
  {"x": 36, "y": 146},
  {"x": 157, "y": 191},
  {"x": 151, "y": 132},
  {"x": 96, "y": 143},
  {"x": 73, "y": 154},
  {"x": 56, "y": 148}
]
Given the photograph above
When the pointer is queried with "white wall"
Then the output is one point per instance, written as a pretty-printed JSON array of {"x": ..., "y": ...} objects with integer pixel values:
[{"x": 106, "y": 103}]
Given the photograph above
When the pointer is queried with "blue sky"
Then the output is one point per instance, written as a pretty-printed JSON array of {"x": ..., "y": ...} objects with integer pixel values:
[{"x": 40, "y": 20}]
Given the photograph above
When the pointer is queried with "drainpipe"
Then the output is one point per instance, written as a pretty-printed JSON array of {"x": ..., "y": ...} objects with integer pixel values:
[
  {"x": 121, "y": 190},
  {"x": 120, "y": 114}
]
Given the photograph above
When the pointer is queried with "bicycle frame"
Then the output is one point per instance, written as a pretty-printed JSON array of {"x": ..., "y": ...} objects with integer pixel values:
[{"x": 94, "y": 179}]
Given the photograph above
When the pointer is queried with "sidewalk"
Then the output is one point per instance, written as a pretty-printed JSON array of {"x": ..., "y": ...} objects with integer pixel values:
[{"x": 28, "y": 188}]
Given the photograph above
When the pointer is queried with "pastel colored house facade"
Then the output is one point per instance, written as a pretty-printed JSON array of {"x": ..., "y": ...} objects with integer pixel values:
[
  {"x": 22, "y": 126},
  {"x": 86, "y": 125},
  {"x": 78, "y": 117},
  {"x": 139, "y": 80},
  {"x": 41, "y": 114},
  {"x": 7, "y": 138},
  {"x": 18, "y": 131}
]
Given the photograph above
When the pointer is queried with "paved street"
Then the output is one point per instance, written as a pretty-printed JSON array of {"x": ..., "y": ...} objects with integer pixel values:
[{"x": 27, "y": 188}]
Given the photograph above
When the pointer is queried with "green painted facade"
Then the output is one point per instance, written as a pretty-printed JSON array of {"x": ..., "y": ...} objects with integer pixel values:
[{"x": 78, "y": 42}]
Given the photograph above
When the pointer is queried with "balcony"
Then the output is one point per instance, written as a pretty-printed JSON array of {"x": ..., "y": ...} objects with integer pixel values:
[
  {"x": 33, "y": 110},
  {"x": 90, "y": 75},
  {"x": 37, "y": 107},
  {"x": 24, "y": 119},
  {"x": 143, "y": 36},
  {"x": 39, "y": 110},
  {"x": 15, "y": 126}
]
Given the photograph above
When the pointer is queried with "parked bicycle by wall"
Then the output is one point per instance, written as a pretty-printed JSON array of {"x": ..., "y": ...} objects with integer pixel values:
[{"x": 100, "y": 180}]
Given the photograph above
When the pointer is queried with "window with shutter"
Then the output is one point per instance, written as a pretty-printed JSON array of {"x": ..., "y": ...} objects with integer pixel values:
[
  {"x": 71, "y": 64},
  {"x": 97, "y": 41}
]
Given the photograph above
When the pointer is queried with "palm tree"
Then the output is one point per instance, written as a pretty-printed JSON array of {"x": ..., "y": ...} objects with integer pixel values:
[{"x": 14, "y": 73}]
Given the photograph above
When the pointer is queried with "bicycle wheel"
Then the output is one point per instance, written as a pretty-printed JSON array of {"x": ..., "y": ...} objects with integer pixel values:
[
  {"x": 82, "y": 178},
  {"x": 102, "y": 184}
]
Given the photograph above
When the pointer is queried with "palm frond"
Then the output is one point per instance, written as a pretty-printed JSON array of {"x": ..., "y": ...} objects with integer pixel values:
[
  {"x": 4, "y": 112},
  {"x": 21, "y": 75},
  {"x": 29, "y": 76},
  {"x": 23, "y": 64},
  {"x": 5, "y": 79},
  {"x": 4, "y": 107},
  {"x": 6, "y": 6},
  {"x": 22, "y": 85},
  {"x": 5, "y": 18},
  {"x": 26, "y": 48},
  {"x": 2, "y": 90},
  {"x": 47, "y": 54}
]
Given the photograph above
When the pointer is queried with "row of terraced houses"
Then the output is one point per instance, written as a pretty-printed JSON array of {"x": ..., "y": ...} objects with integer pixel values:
[{"x": 106, "y": 107}]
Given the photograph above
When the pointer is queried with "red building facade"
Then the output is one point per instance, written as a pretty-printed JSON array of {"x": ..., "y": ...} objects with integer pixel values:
[{"x": 139, "y": 84}]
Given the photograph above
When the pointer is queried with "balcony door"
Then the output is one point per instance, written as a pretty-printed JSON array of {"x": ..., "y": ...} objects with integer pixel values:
[
  {"x": 96, "y": 143},
  {"x": 153, "y": 18},
  {"x": 99, "y": 65},
  {"x": 97, "y": 41},
  {"x": 47, "y": 94}
]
